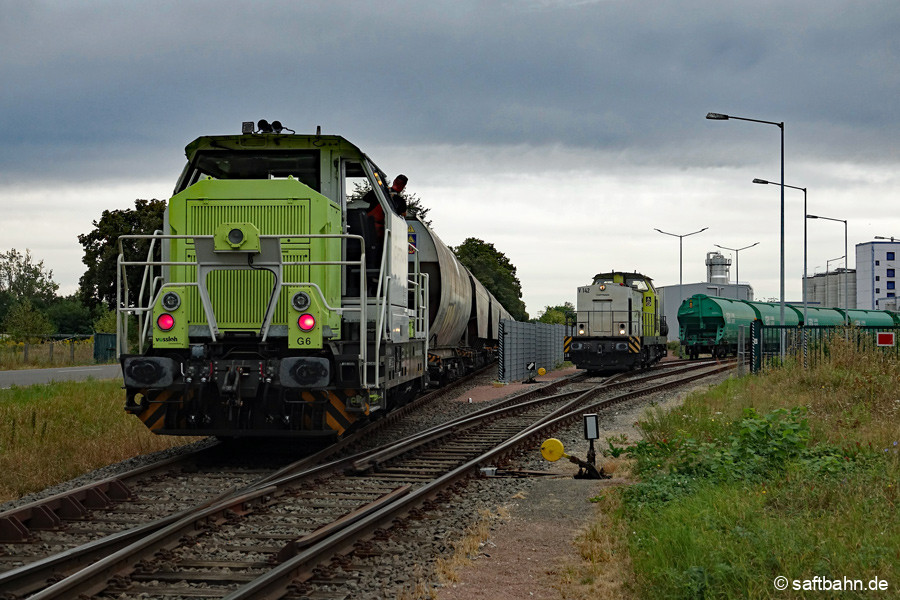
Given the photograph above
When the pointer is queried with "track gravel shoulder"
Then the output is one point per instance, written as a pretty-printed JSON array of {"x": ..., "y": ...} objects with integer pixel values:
[
  {"x": 527, "y": 552},
  {"x": 524, "y": 555}
]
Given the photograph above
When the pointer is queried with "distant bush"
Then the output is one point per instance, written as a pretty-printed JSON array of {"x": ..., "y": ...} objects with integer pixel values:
[{"x": 24, "y": 323}]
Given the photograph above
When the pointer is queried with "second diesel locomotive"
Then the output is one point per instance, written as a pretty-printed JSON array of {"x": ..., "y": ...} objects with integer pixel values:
[
  {"x": 617, "y": 324},
  {"x": 272, "y": 305}
]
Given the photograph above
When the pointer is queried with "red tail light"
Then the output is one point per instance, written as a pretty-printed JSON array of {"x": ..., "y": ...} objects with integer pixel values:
[
  {"x": 306, "y": 322},
  {"x": 165, "y": 322}
]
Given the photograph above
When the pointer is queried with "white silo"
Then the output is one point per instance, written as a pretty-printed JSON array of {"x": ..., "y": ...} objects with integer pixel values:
[{"x": 717, "y": 268}]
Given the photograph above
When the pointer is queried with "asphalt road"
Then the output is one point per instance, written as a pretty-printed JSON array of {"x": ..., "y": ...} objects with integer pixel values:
[{"x": 24, "y": 377}]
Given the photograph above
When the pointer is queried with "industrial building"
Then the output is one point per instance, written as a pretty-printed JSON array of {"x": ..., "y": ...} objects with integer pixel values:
[
  {"x": 718, "y": 283},
  {"x": 832, "y": 289},
  {"x": 876, "y": 278}
]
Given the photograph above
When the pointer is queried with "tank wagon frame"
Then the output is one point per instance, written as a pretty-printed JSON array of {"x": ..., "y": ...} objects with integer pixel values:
[
  {"x": 617, "y": 324},
  {"x": 711, "y": 324},
  {"x": 269, "y": 305}
]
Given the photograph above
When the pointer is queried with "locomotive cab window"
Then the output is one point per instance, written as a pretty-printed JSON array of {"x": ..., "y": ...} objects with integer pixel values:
[
  {"x": 303, "y": 165},
  {"x": 357, "y": 184},
  {"x": 638, "y": 284}
]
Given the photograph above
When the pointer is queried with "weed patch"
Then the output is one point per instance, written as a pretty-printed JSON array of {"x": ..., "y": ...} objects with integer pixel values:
[
  {"x": 52, "y": 433},
  {"x": 793, "y": 473}
]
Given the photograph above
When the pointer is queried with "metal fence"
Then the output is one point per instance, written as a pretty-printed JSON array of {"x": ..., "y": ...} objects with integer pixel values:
[
  {"x": 526, "y": 347},
  {"x": 809, "y": 345}
]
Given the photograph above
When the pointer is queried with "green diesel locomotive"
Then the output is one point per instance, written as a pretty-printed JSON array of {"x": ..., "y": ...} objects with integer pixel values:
[{"x": 271, "y": 304}]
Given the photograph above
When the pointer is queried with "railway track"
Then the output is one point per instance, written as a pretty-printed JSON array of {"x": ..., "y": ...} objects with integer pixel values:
[
  {"x": 286, "y": 525},
  {"x": 98, "y": 517}
]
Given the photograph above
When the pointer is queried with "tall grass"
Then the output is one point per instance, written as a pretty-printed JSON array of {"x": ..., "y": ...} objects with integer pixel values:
[
  {"x": 52, "y": 353},
  {"x": 52, "y": 433},
  {"x": 851, "y": 397},
  {"x": 794, "y": 473}
]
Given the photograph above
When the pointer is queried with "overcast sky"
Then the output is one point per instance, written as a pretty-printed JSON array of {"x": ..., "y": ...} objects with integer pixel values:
[{"x": 563, "y": 132}]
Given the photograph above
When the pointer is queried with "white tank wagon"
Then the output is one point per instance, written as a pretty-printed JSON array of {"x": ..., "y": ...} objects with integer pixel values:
[{"x": 464, "y": 317}]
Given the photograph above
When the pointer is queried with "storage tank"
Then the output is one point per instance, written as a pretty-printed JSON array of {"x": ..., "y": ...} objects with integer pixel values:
[{"x": 717, "y": 268}]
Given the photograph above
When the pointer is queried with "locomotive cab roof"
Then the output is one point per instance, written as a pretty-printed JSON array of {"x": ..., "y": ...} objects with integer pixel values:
[
  {"x": 256, "y": 155},
  {"x": 633, "y": 279}
]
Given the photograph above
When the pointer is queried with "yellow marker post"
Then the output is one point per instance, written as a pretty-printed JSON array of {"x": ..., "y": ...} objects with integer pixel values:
[
  {"x": 552, "y": 450},
  {"x": 542, "y": 371}
]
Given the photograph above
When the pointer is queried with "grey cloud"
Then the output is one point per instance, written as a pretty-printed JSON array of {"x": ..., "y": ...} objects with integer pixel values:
[{"x": 94, "y": 80}]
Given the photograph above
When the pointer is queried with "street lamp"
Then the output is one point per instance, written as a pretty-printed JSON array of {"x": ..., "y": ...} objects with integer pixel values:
[
  {"x": 680, "y": 242},
  {"x": 831, "y": 260},
  {"x": 846, "y": 265},
  {"x": 721, "y": 117},
  {"x": 737, "y": 265},
  {"x": 803, "y": 189}
]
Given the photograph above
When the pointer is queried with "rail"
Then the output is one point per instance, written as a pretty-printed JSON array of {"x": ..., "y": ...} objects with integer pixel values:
[{"x": 300, "y": 555}]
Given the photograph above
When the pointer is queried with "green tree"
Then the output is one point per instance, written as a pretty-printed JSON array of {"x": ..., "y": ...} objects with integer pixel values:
[
  {"x": 24, "y": 323},
  {"x": 22, "y": 278},
  {"x": 106, "y": 322},
  {"x": 494, "y": 270},
  {"x": 556, "y": 314},
  {"x": 6, "y": 302},
  {"x": 414, "y": 206},
  {"x": 101, "y": 251},
  {"x": 70, "y": 315}
]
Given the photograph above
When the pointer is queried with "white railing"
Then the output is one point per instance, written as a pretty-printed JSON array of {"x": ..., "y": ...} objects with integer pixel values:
[
  {"x": 147, "y": 297},
  {"x": 606, "y": 323}
]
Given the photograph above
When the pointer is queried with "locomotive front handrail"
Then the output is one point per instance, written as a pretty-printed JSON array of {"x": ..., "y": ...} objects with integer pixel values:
[
  {"x": 605, "y": 320},
  {"x": 148, "y": 264}
]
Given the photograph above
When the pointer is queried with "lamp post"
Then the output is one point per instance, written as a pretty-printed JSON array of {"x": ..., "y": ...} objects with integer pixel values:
[
  {"x": 846, "y": 265},
  {"x": 737, "y": 265},
  {"x": 831, "y": 260},
  {"x": 680, "y": 241},
  {"x": 721, "y": 117},
  {"x": 803, "y": 189}
]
